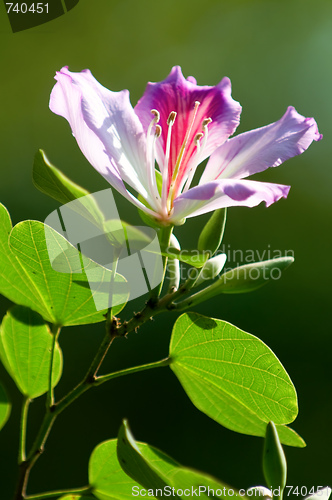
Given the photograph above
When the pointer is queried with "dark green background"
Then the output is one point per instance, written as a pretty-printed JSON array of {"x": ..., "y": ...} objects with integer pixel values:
[{"x": 276, "y": 54}]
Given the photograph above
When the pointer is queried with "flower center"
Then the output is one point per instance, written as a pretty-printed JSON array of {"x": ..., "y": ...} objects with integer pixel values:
[{"x": 177, "y": 178}]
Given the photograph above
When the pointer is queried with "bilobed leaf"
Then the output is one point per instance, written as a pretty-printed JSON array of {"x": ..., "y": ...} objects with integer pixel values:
[
  {"x": 5, "y": 406},
  {"x": 232, "y": 376},
  {"x": 61, "y": 298},
  {"x": 212, "y": 234},
  {"x": 25, "y": 351},
  {"x": 14, "y": 283},
  {"x": 151, "y": 467},
  {"x": 51, "y": 181}
]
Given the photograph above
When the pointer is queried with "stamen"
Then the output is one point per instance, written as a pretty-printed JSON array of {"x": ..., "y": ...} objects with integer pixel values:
[
  {"x": 170, "y": 123},
  {"x": 158, "y": 131},
  {"x": 150, "y": 153},
  {"x": 206, "y": 122},
  {"x": 179, "y": 159},
  {"x": 171, "y": 118},
  {"x": 156, "y": 114},
  {"x": 197, "y": 138},
  {"x": 200, "y": 148}
]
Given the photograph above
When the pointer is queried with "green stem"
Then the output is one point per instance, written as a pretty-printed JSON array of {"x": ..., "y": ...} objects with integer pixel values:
[
  {"x": 153, "y": 307},
  {"x": 164, "y": 236},
  {"x": 57, "y": 494},
  {"x": 135, "y": 369},
  {"x": 50, "y": 394},
  {"x": 23, "y": 430}
]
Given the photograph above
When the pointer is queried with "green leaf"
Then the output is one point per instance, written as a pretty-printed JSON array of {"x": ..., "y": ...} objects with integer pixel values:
[
  {"x": 77, "y": 497},
  {"x": 51, "y": 181},
  {"x": 14, "y": 284},
  {"x": 290, "y": 437},
  {"x": 134, "y": 463},
  {"x": 231, "y": 375},
  {"x": 25, "y": 351},
  {"x": 106, "y": 476},
  {"x": 27, "y": 277},
  {"x": 211, "y": 237},
  {"x": 5, "y": 406},
  {"x": 153, "y": 469}
]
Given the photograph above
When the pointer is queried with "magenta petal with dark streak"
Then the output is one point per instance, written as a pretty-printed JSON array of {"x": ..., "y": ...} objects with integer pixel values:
[{"x": 175, "y": 93}]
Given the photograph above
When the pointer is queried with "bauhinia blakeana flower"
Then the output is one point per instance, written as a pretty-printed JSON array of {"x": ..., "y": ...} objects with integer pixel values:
[{"x": 174, "y": 127}]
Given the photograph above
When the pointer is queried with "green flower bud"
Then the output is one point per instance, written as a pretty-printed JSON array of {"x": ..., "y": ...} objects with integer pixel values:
[
  {"x": 274, "y": 460},
  {"x": 173, "y": 267},
  {"x": 213, "y": 232}
]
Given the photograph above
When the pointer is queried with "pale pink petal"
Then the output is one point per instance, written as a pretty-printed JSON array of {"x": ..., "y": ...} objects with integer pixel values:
[
  {"x": 175, "y": 93},
  {"x": 258, "y": 149},
  {"x": 106, "y": 129},
  {"x": 225, "y": 193}
]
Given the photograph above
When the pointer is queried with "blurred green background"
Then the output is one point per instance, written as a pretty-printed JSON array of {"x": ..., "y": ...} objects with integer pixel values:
[{"x": 276, "y": 54}]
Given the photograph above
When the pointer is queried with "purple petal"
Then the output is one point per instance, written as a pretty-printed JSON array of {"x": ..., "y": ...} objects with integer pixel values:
[
  {"x": 258, "y": 149},
  {"x": 106, "y": 128},
  {"x": 226, "y": 193},
  {"x": 175, "y": 93}
]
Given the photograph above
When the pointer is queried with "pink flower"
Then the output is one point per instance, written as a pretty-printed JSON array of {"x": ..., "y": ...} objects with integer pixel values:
[{"x": 177, "y": 124}]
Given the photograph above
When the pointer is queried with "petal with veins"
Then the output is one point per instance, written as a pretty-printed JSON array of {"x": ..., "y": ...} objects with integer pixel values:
[
  {"x": 265, "y": 147},
  {"x": 175, "y": 93},
  {"x": 226, "y": 193},
  {"x": 106, "y": 128}
]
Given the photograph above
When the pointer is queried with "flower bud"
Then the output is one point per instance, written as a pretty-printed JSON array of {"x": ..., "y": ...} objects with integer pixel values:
[
  {"x": 274, "y": 460},
  {"x": 211, "y": 268},
  {"x": 173, "y": 267}
]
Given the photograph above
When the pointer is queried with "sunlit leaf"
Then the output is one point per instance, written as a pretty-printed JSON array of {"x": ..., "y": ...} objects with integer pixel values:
[
  {"x": 77, "y": 497},
  {"x": 106, "y": 477},
  {"x": 25, "y": 351},
  {"x": 5, "y": 406},
  {"x": 60, "y": 297},
  {"x": 51, "y": 181},
  {"x": 155, "y": 470},
  {"x": 232, "y": 376}
]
